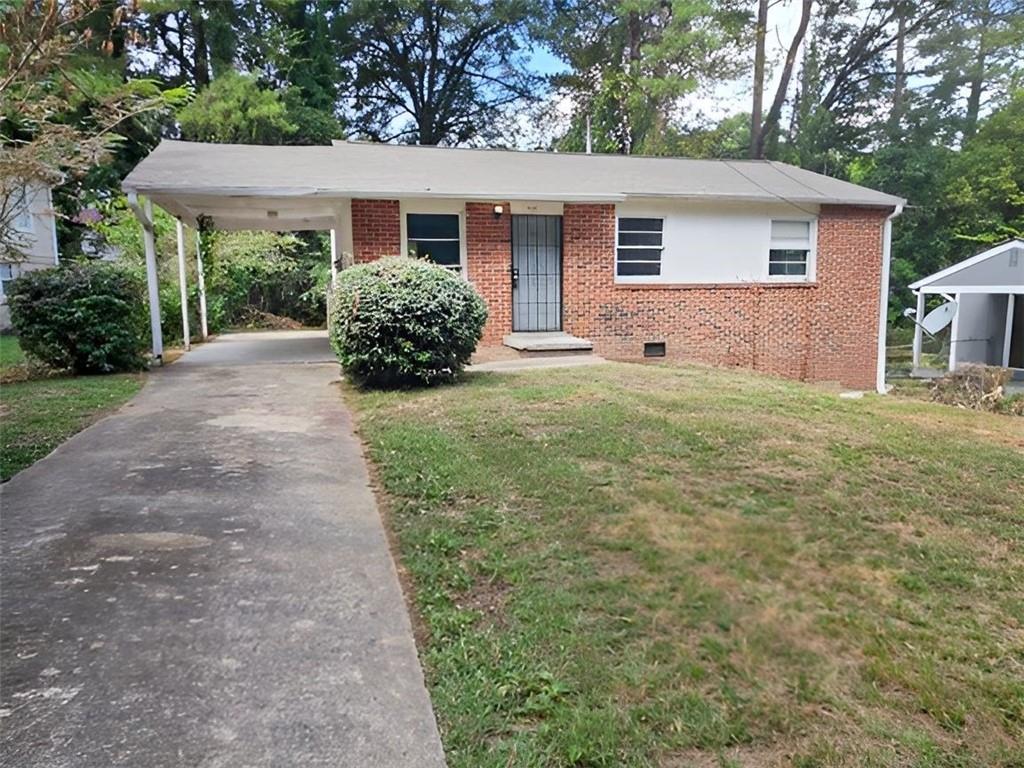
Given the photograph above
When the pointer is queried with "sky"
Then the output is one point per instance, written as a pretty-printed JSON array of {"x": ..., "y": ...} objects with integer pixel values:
[{"x": 706, "y": 104}]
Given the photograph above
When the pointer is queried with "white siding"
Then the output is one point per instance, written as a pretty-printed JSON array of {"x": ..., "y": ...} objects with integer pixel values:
[
  {"x": 717, "y": 243},
  {"x": 39, "y": 241}
]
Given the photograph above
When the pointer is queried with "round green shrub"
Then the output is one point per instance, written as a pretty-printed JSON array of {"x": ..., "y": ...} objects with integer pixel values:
[
  {"x": 83, "y": 317},
  {"x": 401, "y": 321}
]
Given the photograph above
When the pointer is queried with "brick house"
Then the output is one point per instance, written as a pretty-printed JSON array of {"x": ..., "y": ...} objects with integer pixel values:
[{"x": 738, "y": 263}]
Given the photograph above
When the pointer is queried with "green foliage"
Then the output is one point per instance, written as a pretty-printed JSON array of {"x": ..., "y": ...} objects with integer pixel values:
[
  {"x": 236, "y": 110},
  {"x": 986, "y": 185},
  {"x": 87, "y": 318},
  {"x": 632, "y": 60},
  {"x": 431, "y": 72},
  {"x": 401, "y": 321}
]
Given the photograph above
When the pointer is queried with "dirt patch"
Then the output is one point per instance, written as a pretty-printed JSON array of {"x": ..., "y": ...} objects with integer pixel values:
[
  {"x": 493, "y": 354},
  {"x": 488, "y": 599}
]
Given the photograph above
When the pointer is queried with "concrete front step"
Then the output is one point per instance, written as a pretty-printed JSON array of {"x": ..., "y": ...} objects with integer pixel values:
[
  {"x": 533, "y": 362},
  {"x": 548, "y": 343}
]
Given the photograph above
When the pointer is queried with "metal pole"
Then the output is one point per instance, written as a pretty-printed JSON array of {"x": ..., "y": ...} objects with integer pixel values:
[
  {"x": 145, "y": 216},
  {"x": 918, "y": 332},
  {"x": 201, "y": 280},
  {"x": 183, "y": 286}
]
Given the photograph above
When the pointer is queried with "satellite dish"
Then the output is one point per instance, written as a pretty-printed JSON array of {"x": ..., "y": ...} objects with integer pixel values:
[{"x": 938, "y": 318}]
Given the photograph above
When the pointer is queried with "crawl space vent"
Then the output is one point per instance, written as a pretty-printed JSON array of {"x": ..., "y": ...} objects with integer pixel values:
[{"x": 654, "y": 349}]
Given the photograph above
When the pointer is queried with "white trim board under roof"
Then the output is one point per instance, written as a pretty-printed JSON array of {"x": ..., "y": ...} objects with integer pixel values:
[
  {"x": 178, "y": 169},
  {"x": 938, "y": 283}
]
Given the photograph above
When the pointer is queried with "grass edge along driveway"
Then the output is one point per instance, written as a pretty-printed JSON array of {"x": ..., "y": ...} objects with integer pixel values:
[
  {"x": 682, "y": 566},
  {"x": 39, "y": 414}
]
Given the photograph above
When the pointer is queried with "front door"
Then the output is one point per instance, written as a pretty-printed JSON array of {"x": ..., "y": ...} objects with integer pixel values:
[{"x": 536, "y": 273}]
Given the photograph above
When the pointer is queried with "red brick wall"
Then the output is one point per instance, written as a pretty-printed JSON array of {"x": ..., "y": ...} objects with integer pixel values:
[
  {"x": 489, "y": 257},
  {"x": 376, "y": 229},
  {"x": 824, "y": 331}
]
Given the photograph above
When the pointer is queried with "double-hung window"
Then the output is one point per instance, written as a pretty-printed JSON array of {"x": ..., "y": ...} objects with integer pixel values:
[
  {"x": 640, "y": 244},
  {"x": 789, "y": 255},
  {"x": 8, "y": 272},
  {"x": 434, "y": 236},
  {"x": 22, "y": 209}
]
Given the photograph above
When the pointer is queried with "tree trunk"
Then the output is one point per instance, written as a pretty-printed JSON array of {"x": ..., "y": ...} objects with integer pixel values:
[
  {"x": 899, "y": 83},
  {"x": 759, "y": 53},
  {"x": 977, "y": 86},
  {"x": 771, "y": 123},
  {"x": 201, "y": 55}
]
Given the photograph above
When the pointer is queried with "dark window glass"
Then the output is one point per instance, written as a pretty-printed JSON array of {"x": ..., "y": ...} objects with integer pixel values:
[
  {"x": 654, "y": 349},
  {"x": 445, "y": 252},
  {"x": 640, "y": 225},
  {"x": 640, "y": 238},
  {"x": 788, "y": 255},
  {"x": 631, "y": 268},
  {"x": 432, "y": 226},
  {"x": 787, "y": 262},
  {"x": 640, "y": 246},
  {"x": 639, "y": 254}
]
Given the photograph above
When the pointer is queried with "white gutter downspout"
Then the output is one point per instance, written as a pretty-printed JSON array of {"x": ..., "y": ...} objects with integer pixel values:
[{"x": 883, "y": 297}]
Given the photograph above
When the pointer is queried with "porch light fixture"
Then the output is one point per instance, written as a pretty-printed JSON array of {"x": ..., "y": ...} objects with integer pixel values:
[{"x": 498, "y": 210}]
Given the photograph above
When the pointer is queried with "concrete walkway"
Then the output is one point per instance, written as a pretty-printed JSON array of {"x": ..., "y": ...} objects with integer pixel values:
[{"x": 203, "y": 579}]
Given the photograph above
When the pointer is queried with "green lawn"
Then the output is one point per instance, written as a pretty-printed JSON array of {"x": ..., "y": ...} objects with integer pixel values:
[
  {"x": 680, "y": 566},
  {"x": 38, "y": 415},
  {"x": 10, "y": 352}
]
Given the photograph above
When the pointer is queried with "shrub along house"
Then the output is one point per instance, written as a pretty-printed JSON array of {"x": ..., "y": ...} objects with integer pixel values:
[{"x": 741, "y": 263}]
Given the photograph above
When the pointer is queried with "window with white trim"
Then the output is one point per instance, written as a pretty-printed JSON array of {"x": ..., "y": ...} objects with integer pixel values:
[
  {"x": 639, "y": 248},
  {"x": 22, "y": 219},
  {"x": 434, "y": 236},
  {"x": 7, "y": 273},
  {"x": 789, "y": 254}
]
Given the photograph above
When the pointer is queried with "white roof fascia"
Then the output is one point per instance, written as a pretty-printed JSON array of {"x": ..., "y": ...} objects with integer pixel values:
[
  {"x": 971, "y": 289},
  {"x": 924, "y": 281}
]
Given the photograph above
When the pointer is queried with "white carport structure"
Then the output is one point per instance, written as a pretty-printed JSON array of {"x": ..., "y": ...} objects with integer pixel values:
[
  {"x": 988, "y": 289},
  {"x": 166, "y": 178}
]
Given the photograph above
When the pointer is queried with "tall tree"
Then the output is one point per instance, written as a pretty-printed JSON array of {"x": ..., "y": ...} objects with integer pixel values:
[
  {"x": 771, "y": 121},
  {"x": 436, "y": 71},
  {"x": 975, "y": 55},
  {"x": 760, "y": 33},
  {"x": 61, "y": 110},
  {"x": 633, "y": 60}
]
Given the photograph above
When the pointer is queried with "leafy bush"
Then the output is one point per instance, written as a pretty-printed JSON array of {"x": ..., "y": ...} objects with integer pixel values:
[
  {"x": 87, "y": 318},
  {"x": 401, "y": 321}
]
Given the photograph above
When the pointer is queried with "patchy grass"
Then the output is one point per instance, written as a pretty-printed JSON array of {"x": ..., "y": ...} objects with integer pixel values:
[
  {"x": 681, "y": 566},
  {"x": 10, "y": 352},
  {"x": 37, "y": 416}
]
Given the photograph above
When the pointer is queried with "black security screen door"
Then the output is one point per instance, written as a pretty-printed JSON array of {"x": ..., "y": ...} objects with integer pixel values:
[{"x": 536, "y": 273}]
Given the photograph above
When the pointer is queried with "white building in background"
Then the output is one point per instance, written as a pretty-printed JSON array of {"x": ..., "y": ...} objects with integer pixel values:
[
  {"x": 988, "y": 292},
  {"x": 35, "y": 219}
]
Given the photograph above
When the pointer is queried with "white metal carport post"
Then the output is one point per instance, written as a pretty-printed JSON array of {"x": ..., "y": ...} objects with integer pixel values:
[
  {"x": 183, "y": 286},
  {"x": 201, "y": 281},
  {"x": 918, "y": 333},
  {"x": 341, "y": 238},
  {"x": 145, "y": 216}
]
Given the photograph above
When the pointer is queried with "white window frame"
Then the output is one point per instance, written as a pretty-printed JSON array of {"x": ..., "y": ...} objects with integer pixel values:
[
  {"x": 24, "y": 220},
  {"x": 449, "y": 207},
  {"x": 810, "y": 274},
  {"x": 661, "y": 262},
  {"x": 15, "y": 271}
]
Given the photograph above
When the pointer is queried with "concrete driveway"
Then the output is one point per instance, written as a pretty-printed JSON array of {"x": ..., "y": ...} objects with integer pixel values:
[{"x": 202, "y": 579}]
